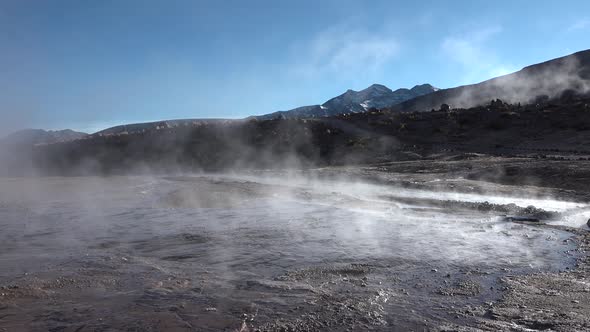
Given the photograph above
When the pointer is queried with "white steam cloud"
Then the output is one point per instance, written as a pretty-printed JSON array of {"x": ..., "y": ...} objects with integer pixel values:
[
  {"x": 341, "y": 49},
  {"x": 470, "y": 52}
]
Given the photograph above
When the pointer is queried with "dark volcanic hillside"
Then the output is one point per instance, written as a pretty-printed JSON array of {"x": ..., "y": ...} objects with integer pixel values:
[
  {"x": 552, "y": 127},
  {"x": 16, "y": 148},
  {"x": 157, "y": 125},
  {"x": 547, "y": 79},
  {"x": 375, "y": 96},
  {"x": 207, "y": 146}
]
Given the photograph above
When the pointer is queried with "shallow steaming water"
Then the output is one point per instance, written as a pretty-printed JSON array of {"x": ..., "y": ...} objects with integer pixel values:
[
  {"x": 239, "y": 226},
  {"x": 177, "y": 253}
]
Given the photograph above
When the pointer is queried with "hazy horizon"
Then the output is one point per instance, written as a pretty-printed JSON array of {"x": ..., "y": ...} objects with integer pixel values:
[{"x": 69, "y": 65}]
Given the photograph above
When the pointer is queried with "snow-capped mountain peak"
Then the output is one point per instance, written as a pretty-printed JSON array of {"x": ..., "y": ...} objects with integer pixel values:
[{"x": 374, "y": 96}]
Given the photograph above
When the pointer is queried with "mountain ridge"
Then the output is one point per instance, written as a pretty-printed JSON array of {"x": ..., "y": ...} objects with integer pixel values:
[
  {"x": 351, "y": 101},
  {"x": 374, "y": 96},
  {"x": 41, "y": 136},
  {"x": 543, "y": 80}
]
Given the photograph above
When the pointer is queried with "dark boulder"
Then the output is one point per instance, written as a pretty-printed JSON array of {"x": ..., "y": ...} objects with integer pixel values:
[{"x": 520, "y": 219}]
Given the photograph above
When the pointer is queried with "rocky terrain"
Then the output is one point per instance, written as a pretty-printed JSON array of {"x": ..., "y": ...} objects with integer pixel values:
[
  {"x": 375, "y": 96},
  {"x": 548, "y": 129}
]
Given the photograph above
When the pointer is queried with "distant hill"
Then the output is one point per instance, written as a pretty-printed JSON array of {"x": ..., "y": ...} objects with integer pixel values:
[
  {"x": 16, "y": 148},
  {"x": 552, "y": 127},
  {"x": 40, "y": 136},
  {"x": 569, "y": 74},
  {"x": 375, "y": 96},
  {"x": 159, "y": 125},
  {"x": 545, "y": 111}
]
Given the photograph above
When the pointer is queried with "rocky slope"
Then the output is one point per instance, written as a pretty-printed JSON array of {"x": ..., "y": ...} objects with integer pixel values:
[
  {"x": 549, "y": 129},
  {"x": 540, "y": 81},
  {"x": 375, "y": 96},
  {"x": 159, "y": 125}
]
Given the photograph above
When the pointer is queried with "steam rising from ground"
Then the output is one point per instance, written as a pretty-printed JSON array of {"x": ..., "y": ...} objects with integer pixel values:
[
  {"x": 243, "y": 225},
  {"x": 526, "y": 85},
  {"x": 552, "y": 79}
]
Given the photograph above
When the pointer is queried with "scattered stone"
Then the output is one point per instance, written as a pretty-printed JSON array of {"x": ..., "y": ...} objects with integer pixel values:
[
  {"x": 520, "y": 219},
  {"x": 463, "y": 288},
  {"x": 445, "y": 108}
]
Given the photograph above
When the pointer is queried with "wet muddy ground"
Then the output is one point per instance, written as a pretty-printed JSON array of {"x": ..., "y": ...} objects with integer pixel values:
[{"x": 383, "y": 247}]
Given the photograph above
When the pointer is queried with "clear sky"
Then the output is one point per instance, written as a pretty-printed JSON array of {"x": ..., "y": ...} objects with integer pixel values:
[{"x": 88, "y": 65}]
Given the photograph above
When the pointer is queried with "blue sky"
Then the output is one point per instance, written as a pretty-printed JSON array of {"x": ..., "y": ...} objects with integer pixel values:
[{"x": 88, "y": 65}]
